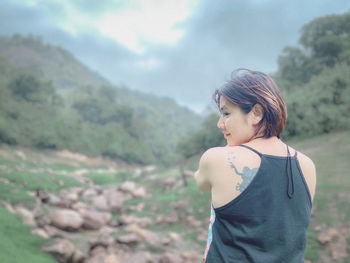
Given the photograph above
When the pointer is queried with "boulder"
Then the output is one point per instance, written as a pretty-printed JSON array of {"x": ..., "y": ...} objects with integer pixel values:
[
  {"x": 61, "y": 249},
  {"x": 95, "y": 219},
  {"x": 89, "y": 193},
  {"x": 139, "y": 257},
  {"x": 26, "y": 215},
  {"x": 170, "y": 219},
  {"x": 128, "y": 186},
  {"x": 139, "y": 192},
  {"x": 192, "y": 221},
  {"x": 130, "y": 220},
  {"x": 115, "y": 199},
  {"x": 66, "y": 219},
  {"x": 128, "y": 238},
  {"x": 40, "y": 232},
  {"x": 55, "y": 232},
  {"x": 170, "y": 258},
  {"x": 191, "y": 256},
  {"x": 78, "y": 256},
  {"x": 100, "y": 203},
  {"x": 144, "y": 234}
]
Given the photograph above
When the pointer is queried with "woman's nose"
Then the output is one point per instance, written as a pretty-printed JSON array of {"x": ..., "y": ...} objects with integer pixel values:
[{"x": 221, "y": 124}]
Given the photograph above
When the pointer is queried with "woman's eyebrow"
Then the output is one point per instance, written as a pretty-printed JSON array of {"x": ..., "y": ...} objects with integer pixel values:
[{"x": 223, "y": 107}]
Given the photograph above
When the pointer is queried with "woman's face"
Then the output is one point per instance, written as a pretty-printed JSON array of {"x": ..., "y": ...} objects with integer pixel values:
[{"x": 234, "y": 123}]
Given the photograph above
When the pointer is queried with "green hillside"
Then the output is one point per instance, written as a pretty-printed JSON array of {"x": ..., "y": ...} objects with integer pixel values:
[{"x": 50, "y": 100}]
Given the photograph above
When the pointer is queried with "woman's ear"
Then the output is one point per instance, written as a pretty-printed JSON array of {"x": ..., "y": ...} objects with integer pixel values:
[{"x": 256, "y": 114}]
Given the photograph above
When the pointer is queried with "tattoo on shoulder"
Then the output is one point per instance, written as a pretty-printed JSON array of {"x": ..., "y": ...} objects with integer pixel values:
[{"x": 247, "y": 174}]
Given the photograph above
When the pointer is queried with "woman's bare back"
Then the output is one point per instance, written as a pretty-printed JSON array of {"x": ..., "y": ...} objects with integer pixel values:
[{"x": 235, "y": 167}]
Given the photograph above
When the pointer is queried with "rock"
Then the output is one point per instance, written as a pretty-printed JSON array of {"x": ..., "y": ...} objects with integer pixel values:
[
  {"x": 128, "y": 186},
  {"x": 317, "y": 228},
  {"x": 171, "y": 219},
  {"x": 72, "y": 197},
  {"x": 137, "y": 172},
  {"x": 167, "y": 183},
  {"x": 102, "y": 241},
  {"x": 115, "y": 199},
  {"x": 174, "y": 236},
  {"x": 144, "y": 234},
  {"x": 338, "y": 248},
  {"x": 129, "y": 238},
  {"x": 9, "y": 207},
  {"x": 40, "y": 232},
  {"x": 42, "y": 220},
  {"x": 96, "y": 250},
  {"x": 139, "y": 192},
  {"x": 180, "y": 205},
  {"x": 54, "y": 199},
  {"x": 26, "y": 215},
  {"x": 170, "y": 258},
  {"x": 55, "y": 232},
  {"x": 94, "y": 219},
  {"x": 78, "y": 256},
  {"x": 149, "y": 168},
  {"x": 89, "y": 193},
  {"x": 97, "y": 255},
  {"x": 192, "y": 221},
  {"x": 100, "y": 203},
  {"x": 191, "y": 256},
  {"x": 42, "y": 195},
  {"x": 61, "y": 249},
  {"x": 129, "y": 220},
  {"x": 76, "y": 190},
  {"x": 66, "y": 219},
  {"x": 4, "y": 181},
  {"x": 138, "y": 257},
  {"x": 325, "y": 237},
  {"x": 79, "y": 206},
  {"x": 188, "y": 173},
  {"x": 111, "y": 259}
]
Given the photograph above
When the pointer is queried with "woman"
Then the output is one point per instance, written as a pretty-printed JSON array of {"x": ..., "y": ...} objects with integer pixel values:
[{"x": 261, "y": 189}]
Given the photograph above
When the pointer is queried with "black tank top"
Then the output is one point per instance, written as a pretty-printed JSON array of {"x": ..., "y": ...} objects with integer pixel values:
[{"x": 267, "y": 222}]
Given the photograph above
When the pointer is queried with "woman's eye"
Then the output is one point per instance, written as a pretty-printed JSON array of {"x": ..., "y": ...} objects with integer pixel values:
[{"x": 226, "y": 113}]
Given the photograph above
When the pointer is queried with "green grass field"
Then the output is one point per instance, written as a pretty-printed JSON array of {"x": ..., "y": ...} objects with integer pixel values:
[{"x": 330, "y": 152}]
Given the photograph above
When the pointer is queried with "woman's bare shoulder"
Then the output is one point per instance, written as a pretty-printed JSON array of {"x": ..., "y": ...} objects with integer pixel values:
[
  {"x": 218, "y": 155},
  {"x": 305, "y": 161},
  {"x": 309, "y": 171}
]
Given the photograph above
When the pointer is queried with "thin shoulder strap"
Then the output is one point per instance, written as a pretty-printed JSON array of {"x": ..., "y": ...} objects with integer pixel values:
[
  {"x": 289, "y": 173},
  {"x": 250, "y": 148}
]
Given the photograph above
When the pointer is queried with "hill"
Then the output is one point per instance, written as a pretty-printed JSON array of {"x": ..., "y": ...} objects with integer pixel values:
[
  {"x": 63, "y": 104},
  {"x": 50, "y": 62}
]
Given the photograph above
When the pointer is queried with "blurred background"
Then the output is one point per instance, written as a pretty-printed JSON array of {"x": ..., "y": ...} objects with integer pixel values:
[{"x": 106, "y": 108}]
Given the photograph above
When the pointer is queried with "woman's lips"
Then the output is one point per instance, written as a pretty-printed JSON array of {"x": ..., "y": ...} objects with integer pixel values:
[{"x": 226, "y": 134}]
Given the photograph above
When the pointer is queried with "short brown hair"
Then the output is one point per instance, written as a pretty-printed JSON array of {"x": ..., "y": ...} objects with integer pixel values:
[{"x": 247, "y": 88}]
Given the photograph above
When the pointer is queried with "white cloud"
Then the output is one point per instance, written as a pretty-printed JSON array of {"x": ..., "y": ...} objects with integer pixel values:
[
  {"x": 137, "y": 24},
  {"x": 150, "y": 63},
  {"x": 150, "y": 22}
]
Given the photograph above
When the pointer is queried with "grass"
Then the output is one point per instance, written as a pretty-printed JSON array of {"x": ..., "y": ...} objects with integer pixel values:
[
  {"x": 313, "y": 246},
  {"x": 19, "y": 245},
  {"x": 107, "y": 178},
  {"x": 330, "y": 153},
  {"x": 21, "y": 183}
]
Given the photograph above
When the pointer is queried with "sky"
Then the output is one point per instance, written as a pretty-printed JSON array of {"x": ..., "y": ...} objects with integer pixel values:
[{"x": 182, "y": 49}]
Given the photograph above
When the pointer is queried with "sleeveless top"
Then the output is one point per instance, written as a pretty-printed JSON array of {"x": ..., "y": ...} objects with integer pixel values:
[{"x": 267, "y": 222}]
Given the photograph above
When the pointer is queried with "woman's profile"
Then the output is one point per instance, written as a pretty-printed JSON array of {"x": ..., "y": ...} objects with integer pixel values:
[{"x": 261, "y": 188}]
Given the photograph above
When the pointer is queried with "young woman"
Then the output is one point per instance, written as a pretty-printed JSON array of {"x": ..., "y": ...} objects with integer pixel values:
[{"x": 261, "y": 188}]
